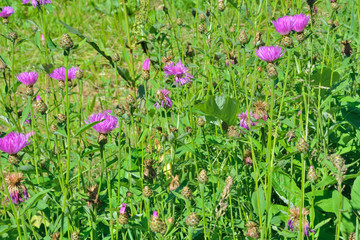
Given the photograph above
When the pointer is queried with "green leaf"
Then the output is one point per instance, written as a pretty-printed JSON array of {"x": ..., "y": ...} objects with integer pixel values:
[
  {"x": 355, "y": 194},
  {"x": 34, "y": 199},
  {"x": 285, "y": 187},
  {"x": 352, "y": 115},
  {"x": 86, "y": 127},
  {"x": 220, "y": 107},
  {"x": 25, "y": 113},
  {"x": 347, "y": 217},
  {"x": 262, "y": 201},
  {"x": 324, "y": 78}
]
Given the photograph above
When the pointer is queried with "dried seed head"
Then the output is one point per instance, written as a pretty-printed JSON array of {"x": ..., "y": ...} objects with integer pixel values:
[
  {"x": 55, "y": 236},
  {"x": 287, "y": 41},
  {"x": 243, "y": 38},
  {"x": 66, "y": 42},
  {"x": 221, "y": 6},
  {"x": 252, "y": 230},
  {"x": 171, "y": 220},
  {"x": 188, "y": 129},
  {"x": 61, "y": 118},
  {"x": 346, "y": 49},
  {"x": 174, "y": 183},
  {"x": 271, "y": 71},
  {"x": 147, "y": 192},
  {"x": 233, "y": 132},
  {"x": 200, "y": 122},
  {"x": 179, "y": 22},
  {"x": 203, "y": 177},
  {"x": 186, "y": 192},
  {"x": 311, "y": 175},
  {"x": 13, "y": 36},
  {"x": 116, "y": 57},
  {"x": 302, "y": 145},
  {"x": 75, "y": 236},
  {"x": 192, "y": 220}
]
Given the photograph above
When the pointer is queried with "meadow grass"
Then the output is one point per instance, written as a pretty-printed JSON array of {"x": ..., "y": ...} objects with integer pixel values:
[{"x": 210, "y": 142}]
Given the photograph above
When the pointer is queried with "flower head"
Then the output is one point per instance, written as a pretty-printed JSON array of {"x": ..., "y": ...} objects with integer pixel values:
[
  {"x": 155, "y": 214},
  {"x": 28, "y": 78},
  {"x": 180, "y": 72},
  {"x": 146, "y": 64},
  {"x": 6, "y": 12},
  {"x": 59, "y": 73},
  {"x": 300, "y": 22},
  {"x": 269, "y": 53},
  {"x": 17, "y": 190},
  {"x": 108, "y": 123},
  {"x": 163, "y": 96},
  {"x": 36, "y": 3},
  {"x": 123, "y": 208},
  {"x": 14, "y": 142},
  {"x": 294, "y": 220},
  {"x": 284, "y": 25},
  {"x": 244, "y": 120}
]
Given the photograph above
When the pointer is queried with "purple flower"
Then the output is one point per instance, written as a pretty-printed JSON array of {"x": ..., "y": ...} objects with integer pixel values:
[
  {"x": 18, "y": 192},
  {"x": 59, "y": 73},
  {"x": 300, "y": 22},
  {"x": 6, "y": 12},
  {"x": 244, "y": 120},
  {"x": 294, "y": 220},
  {"x": 123, "y": 208},
  {"x": 146, "y": 64},
  {"x": 180, "y": 72},
  {"x": 38, "y": 98},
  {"x": 283, "y": 25},
  {"x": 28, "y": 78},
  {"x": 269, "y": 53},
  {"x": 28, "y": 119},
  {"x": 14, "y": 142},
  {"x": 36, "y": 3},
  {"x": 155, "y": 214},
  {"x": 42, "y": 37},
  {"x": 108, "y": 124},
  {"x": 163, "y": 96}
]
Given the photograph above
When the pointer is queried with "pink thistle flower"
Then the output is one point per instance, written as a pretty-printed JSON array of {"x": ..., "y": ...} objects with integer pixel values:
[
  {"x": 14, "y": 142},
  {"x": 108, "y": 124},
  {"x": 269, "y": 53},
  {"x": 146, "y": 64},
  {"x": 28, "y": 78},
  {"x": 6, "y": 12},
  {"x": 244, "y": 120},
  {"x": 38, "y": 98},
  {"x": 18, "y": 192},
  {"x": 123, "y": 208},
  {"x": 300, "y": 22},
  {"x": 163, "y": 96},
  {"x": 42, "y": 37},
  {"x": 283, "y": 25},
  {"x": 180, "y": 72},
  {"x": 155, "y": 214},
  {"x": 36, "y": 3},
  {"x": 59, "y": 73}
]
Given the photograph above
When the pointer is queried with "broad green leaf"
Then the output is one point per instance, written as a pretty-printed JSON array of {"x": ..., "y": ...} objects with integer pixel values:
[
  {"x": 286, "y": 187},
  {"x": 324, "y": 78},
  {"x": 262, "y": 201},
  {"x": 26, "y": 112},
  {"x": 347, "y": 217},
  {"x": 221, "y": 107},
  {"x": 34, "y": 199},
  {"x": 355, "y": 194}
]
